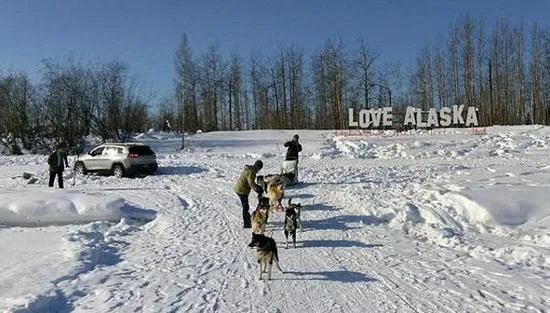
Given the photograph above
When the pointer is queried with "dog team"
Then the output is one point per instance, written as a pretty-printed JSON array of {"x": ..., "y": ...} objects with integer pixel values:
[{"x": 274, "y": 186}]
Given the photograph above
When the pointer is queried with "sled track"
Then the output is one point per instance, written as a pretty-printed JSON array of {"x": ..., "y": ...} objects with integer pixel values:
[{"x": 233, "y": 262}]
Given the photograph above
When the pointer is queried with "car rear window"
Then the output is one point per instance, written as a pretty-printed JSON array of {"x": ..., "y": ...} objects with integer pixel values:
[{"x": 141, "y": 150}]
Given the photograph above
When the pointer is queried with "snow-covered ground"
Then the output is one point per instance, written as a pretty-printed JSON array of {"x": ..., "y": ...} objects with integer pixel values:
[{"x": 445, "y": 221}]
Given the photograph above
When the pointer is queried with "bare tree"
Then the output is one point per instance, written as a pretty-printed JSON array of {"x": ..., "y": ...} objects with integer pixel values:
[
  {"x": 365, "y": 61},
  {"x": 234, "y": 88},
  {"x": 440, "y": 73},
  {"x": 186, "y": 87},
  {"x": 536, "y": 71},
  {"x": 211, "y": 87},
  {"x": 468, "y": 59},
  {"x": 295, "y": 85},
  {"x": 15, "y": 105},
  {"x": 330, "y": 73}
]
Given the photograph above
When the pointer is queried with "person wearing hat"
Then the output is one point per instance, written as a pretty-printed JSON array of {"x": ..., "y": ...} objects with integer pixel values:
[
  {"x": 293, "y": 149},
  {"x": 244, "y": 185}
]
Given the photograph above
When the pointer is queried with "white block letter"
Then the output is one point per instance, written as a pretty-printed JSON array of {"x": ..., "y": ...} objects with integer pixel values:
[
  {"x": 409, "y": 116},
  {"x": 364, "y": 121},
  {"x": 387, "y": 117},
  {"x": 432, "y": 118},
  {"x": 352, "y": 121},
  {"x": 457, "y": 114},
  {"x": 445, "y": 116},
  {"x": 471, "y": 116}
]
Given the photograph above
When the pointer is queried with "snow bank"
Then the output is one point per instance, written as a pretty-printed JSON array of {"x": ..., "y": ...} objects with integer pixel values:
[
  {"x": 36, "y": 263},
  {"x": 525, "y": 206},
  {"x": 518, "y": 215},
  {"x": 159, "y": 136},
  {"x": 521, "y": 208},
  {"x": 43, "y": 207},
  {"x": 380, "y": 148}
]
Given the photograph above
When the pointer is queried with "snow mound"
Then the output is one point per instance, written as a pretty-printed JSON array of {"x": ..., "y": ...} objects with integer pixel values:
[
  {"x": 156, "y": 136},
  {"x": 505, "y": 205},
  {"x": 455, "y": 218},
  {"x": 41, "y": 207},
  {"x": 367, "y": 150},
  {"x": 480, "y": 209}
]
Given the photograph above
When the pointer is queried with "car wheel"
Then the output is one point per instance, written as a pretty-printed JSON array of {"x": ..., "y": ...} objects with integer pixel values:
[
  {"x": 118, "y": 171},
  {"x": 80, "y": 169}
]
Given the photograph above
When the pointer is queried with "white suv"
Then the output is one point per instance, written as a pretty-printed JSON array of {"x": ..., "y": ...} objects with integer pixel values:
[{"x": 118, "y": 159}]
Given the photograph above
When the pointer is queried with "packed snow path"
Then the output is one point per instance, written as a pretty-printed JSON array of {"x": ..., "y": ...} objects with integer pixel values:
[{"x": 353, "y": 255}]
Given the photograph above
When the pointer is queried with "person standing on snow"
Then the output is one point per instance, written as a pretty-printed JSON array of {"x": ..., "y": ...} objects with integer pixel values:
[
  {"x": 245, "y": 183},
  {"x": 57, "y": 162},
  {"x": 293, "y": 149}
]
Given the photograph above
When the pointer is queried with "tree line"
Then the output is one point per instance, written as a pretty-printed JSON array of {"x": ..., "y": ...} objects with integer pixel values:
[
  {"x": 503, "y": 69},
  {"x": 72, "y": 101}
]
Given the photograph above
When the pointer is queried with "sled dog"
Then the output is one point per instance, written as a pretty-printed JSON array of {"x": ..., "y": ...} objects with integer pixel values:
[
  {"x": 266, "y": 254},
  {"x": 290, "y": 226},
  {"x": 298, "y": 208},
  {"x": 259, "y": 219},
  {"x": 275, "y": 193}
]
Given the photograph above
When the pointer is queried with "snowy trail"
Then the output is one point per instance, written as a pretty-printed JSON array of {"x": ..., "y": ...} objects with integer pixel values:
[{"x": 339, "y": 245}]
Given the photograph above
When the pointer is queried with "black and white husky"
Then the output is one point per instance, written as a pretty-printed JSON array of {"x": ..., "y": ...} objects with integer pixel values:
[
  {"x": 290, "y": 226},
  {"x": 292, "y": 219},
  {"x": 298, "y": 208}
]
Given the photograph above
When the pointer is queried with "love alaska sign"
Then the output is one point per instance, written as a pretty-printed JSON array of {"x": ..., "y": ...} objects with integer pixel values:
[{"x": 447, "y": 116}]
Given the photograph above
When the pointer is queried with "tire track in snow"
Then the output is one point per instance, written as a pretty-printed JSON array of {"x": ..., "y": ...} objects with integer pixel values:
[
  {"x": 239, "y": 244},
  {"x": 236, "y": 242},
  {"x": 233, "y": 262}
]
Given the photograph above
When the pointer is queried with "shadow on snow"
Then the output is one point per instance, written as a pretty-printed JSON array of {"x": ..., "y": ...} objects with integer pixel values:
[
  {"x": 342, "y": 222},
  {"x": 179, "y": 170},
  {"x": 338, "y": 276},
  {"x": 320, "y": 207},
  {"x": 338, "y": 244}
]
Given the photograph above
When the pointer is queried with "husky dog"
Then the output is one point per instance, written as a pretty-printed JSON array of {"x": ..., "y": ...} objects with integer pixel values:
[
  {"x": 275, "y": 193},
  {"x": 259, "y": 219},
  {"x": 290, "y": 226},
  {"x": 298, "y": 208},
  {"x": 266, "y": 253}
]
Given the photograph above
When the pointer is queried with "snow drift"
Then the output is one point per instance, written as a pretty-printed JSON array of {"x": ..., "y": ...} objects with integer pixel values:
[{"x": 43, "y": 207}]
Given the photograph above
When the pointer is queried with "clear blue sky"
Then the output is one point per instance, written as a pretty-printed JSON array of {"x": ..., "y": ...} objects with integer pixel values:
[{"x": 145, "y": 34}]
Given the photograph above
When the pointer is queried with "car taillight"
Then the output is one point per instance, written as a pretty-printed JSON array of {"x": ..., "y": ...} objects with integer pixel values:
[{"x": 132, "y": 155}]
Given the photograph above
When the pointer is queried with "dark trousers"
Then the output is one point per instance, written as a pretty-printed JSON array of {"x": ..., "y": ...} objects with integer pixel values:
[
  {"x": 246, "y": 208},
  {"x": 59, "y": 174}
]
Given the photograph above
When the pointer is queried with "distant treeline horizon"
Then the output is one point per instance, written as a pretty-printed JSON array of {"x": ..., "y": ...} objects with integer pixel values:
[{"x": 503, "y": 69}]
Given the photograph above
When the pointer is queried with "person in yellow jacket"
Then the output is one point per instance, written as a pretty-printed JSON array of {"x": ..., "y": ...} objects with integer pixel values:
[{"x": 245, "y": 183}]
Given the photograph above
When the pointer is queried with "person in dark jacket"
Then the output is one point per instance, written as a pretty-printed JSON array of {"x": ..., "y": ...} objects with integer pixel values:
[
  {"x": 293, "y": 149},
  {"x": 57, "y": 163},
  {"x": 245, "y": 183}
]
